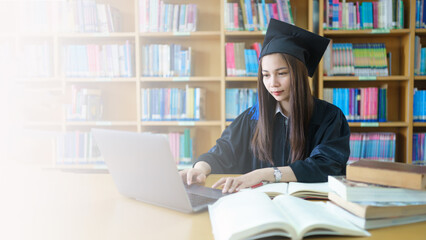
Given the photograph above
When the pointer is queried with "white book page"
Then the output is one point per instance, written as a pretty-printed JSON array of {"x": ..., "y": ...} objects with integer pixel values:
[
  {"x": 294, "y": 187},
  {"x": 276, "y": 188},
  {"x": 242, "y": 215},
  {"x": 313, "y": 218}
]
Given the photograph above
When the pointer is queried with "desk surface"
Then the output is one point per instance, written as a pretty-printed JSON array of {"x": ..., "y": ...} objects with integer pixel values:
[{"x": 51, "y": 204}]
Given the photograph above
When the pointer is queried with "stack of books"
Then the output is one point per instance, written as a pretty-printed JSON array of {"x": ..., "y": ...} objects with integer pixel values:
[{"x": 379, "y": 194}]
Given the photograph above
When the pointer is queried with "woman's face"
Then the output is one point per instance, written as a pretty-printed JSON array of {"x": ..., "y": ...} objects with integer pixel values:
[{"x": 276, "y": 77}]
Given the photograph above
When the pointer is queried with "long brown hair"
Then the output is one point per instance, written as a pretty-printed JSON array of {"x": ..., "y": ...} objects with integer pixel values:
[{"x": 301, "y": 108}]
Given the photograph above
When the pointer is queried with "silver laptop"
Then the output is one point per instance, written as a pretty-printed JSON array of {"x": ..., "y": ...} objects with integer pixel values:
[{"x": 142, "y": 167}]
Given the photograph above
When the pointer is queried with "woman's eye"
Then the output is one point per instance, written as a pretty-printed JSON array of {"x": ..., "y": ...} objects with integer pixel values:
[
  {"x": 282, "y": 73},
  {"x": 265, "y": 75}
]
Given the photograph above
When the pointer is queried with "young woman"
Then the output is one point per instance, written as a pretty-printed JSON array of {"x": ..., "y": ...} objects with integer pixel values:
[{"x": 289, "y": 135}]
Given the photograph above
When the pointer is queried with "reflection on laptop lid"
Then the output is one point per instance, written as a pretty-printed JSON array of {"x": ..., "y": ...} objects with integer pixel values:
[{"x": 142, "y": 167}]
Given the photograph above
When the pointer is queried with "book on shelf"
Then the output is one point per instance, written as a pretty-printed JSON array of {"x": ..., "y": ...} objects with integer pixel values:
[
  {"x": 158, "y": 16},
  {"x": 296, "y": 189},
  {"x": 375, "y": 223},
  {"x": 359, "y": 191},
  {"x": 92, "y": 60},
  {"x": 419, "y": 147},
  {"x": 383, "y": 14},
  {"x": 356, "y": 59},
  {"x": 240, "y": 61},
  {"x": 87, "y": 16},
  {"x": 182, "y": 145},
  {"x": 250, "y": 15},
  {"x": 376, "y": 210},
  {"x": 237, "y": 100},
  {"x": 372, "y": 146},
  {"x": 420, "y": 14},
  {"x": 359, "y": 104},
  {"x": 252, "y": 215},
  {"x": 73, "y": 148},
  {"x": 394, "y": 174},
  {"x": 86, "y": 104},
  {"x": 173, "y": 104},
  {"x": 419, "y": 103},
  {"x": 164, "y": 60}
]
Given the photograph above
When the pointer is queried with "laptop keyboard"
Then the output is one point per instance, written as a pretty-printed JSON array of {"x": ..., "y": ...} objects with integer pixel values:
[{"x": 198, "y": 200}]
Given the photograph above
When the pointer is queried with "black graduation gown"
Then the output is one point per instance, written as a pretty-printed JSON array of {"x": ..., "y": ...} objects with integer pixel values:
[{"x": 327, "y": 143}]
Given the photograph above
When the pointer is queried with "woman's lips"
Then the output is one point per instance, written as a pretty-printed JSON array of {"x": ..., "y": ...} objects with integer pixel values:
[{"x": 277, "y": 93}]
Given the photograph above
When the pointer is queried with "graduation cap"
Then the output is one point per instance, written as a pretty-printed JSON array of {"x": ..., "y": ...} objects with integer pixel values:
[{"x": 306, "y": 46}]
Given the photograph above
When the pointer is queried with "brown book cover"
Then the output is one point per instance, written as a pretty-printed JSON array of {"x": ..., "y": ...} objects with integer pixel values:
[
  {"x": 388, "y": 173},
  {"x": 375, "y": 210}
]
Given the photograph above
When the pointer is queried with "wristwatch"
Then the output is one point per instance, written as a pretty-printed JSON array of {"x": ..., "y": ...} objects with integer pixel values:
[{"x": 277, "y": 174}]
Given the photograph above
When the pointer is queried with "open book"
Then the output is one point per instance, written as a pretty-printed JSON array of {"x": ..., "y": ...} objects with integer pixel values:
[
  {"x": 251, "y": 214},
  {"x": 297, "y": 189}
]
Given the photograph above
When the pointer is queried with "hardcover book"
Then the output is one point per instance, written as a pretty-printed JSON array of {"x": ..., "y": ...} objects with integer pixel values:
[
  {"x": 375, "y": 223},
  {"x": 374, "y": 210},
  {"x": 358, "y": 191},
  {"x": 388, "y": 173}
]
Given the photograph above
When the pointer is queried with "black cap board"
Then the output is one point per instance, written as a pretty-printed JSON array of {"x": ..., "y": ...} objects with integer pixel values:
[{"x": 306, "y": 46}]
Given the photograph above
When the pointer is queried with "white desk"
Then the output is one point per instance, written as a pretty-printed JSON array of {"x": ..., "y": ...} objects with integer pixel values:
[{"x": 50, "y": 204}]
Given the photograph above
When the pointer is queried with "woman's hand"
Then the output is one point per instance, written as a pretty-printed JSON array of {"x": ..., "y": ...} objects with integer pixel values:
[
  {"x": 193, "y": 175},
  {"x": 235, "y": 184},
  {"x": 197, "y": 174}
]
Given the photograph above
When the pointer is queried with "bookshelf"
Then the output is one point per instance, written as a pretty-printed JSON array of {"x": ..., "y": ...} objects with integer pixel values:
[
  {"x": 399, "y": 83},
  {"x": 122, "y": 98},
  {"x": 41, "y": 101}
]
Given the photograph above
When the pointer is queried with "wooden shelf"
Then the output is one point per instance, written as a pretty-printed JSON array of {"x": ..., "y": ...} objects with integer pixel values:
[
  {"x": 378, "y": 124},
  {"x": 366, "y": 32},
  {"x": 100, "y": 79},
  {"x": 181, "y": 123},
  {"x": 100, "y": 123},
  {"x": 420, "y": 31},
  {"x": 98, "y": 35},
  {"x": 181, "y": 79},
  {"x": 43, "y": 124},
  {"x": 245, "y": 33},
  {"x": 419, "y": 124},
  {"x": 208, "y": 34},
  {"x": 37, "y": 79},
  {"x": 365, "y": 78},
  {"x": 420, "y": 78},
  {"x": 241, "y": 79}
]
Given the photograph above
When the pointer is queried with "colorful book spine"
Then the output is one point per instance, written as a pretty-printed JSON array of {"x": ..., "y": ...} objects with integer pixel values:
[
  {"x": 166, "y": 60},
  {"x": 419, "y": 148},
  {"x": 237, "y": 100},
  {"x": 77, "y": 148},
  {"x": 419, "y": 103},
  {"x": 115, "y": 60},
  {"x": 359, "y": 104},
  {"x": 254, "y": 15},
  {"x": 173, "y": 104},
  {"x": 240, "y": 61},
  {"x": 158, "y": 16},
  {"x": 381, "y": 14},
  {"x": 347, "y": 59},
  {"x": 379, "y": 146}
]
